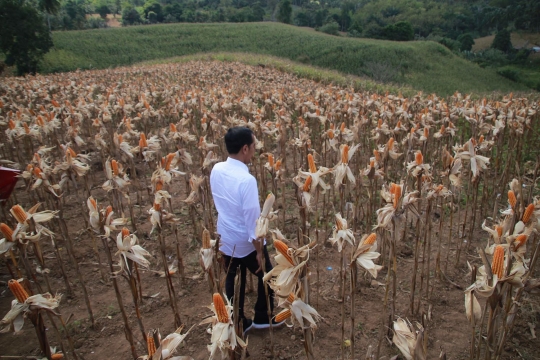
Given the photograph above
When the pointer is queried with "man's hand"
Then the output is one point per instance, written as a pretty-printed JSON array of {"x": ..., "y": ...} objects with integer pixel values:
[{"x": 259, "y": 244}]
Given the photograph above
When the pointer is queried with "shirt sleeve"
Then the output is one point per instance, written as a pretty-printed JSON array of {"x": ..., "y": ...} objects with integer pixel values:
[{"x": 250, "y": 206}]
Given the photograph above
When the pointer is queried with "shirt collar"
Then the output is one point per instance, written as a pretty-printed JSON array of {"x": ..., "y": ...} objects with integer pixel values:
[{"x": 237, "y": 163}]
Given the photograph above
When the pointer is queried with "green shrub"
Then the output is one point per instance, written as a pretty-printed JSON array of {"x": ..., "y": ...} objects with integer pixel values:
[
  {"x": 354, "y": 33},
  {"x": 453, "y": 45},
  {"x": 502, "y": 41},
  {"x": 400, "y": 31},
  {"x": 509, "y": 73},
  {"x": 331, "y": 28},
  {"x": 466, "y": 41}
]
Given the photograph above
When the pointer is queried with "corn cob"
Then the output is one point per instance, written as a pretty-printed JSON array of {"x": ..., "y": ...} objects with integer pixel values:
[
  {"x": 284, "y": 315},
  {"x": 6, "y": 230},
  {"x": 108, "y": 210},
  {"x": 114, "y": 166},
  {"x": 291, "y": 298},
  {"x": 278, "y": 165},
  {"x": 120, "y": 139},
  {"x": 499, "y": 230},
  {"x": 307, "y": 184},
  {"x": 11, "y": 124},
  {"x": 142, "y": 141},
  {"x": 17, "y": 290},
  {"x": 520, "y": 240},
  {"x": 93, "y": 202},
  {"x": 271, "y": 160},
  {"x": 282, "y": 248},
  {"x": 342, "y": 127},
  {"x": 370, "y": 239},
  {"x": 172, "y": 128},
  {"x": 151, "y": 345},
  {"x": 311, "y": 162},
  {"x": 72, "y": 152},
  {"x": 330, "y": 133},
  {"x": 157, "y": 206},
  {"x": 19, "y": 214},
  {"x": 390, "y": 144},
  {"x": 376, "y": 155},
  {"x": 512, "y": 199},
  {"x": 372, "y": 163},
  {"x": 26, "y": 128},
  {"x": 345, "y": 154},
  {"x": 57, "y": 356},
  {"x": 481, "y": 139},
  {"x": 159, "y": 185},
  {"x": 528, "y": 213},
  {"x": 392, "y": 188},
  {"x": 498, "y": 261},
  {"x": 443, "y": 129},
  {"x": 169, "y": 160},
  {"x": 419, "y": 158},
  {"x": 206, "y": 239},
  {"x": 37, "y": 172},
  {"x": 397, "y": 196},
  {"x": 221, "y": 310},
  {"x": 125, "y": 232}
]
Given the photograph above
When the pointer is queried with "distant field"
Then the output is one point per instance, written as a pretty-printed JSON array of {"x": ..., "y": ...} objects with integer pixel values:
[
  {"x": 518, "y": 40},
  {"x": 425, "y": 66}
]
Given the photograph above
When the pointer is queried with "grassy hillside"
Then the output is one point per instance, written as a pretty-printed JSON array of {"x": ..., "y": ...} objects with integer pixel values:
[{"x": 424, "y": 66}]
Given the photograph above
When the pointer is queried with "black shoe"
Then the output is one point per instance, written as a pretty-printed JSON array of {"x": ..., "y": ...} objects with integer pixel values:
[
  {"x": 266, "y": 325},
  {"x": 247, "y": 324}
]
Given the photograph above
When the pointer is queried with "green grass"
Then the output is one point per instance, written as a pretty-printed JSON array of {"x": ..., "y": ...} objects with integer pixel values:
[{"x": 425, "y": 66}]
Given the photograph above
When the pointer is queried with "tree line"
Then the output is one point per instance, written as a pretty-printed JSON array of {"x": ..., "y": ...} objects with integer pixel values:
[{"x": 455, "y": 24}]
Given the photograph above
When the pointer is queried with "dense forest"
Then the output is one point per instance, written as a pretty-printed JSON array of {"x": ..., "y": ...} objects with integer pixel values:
[{"x": 383, "y": 19}]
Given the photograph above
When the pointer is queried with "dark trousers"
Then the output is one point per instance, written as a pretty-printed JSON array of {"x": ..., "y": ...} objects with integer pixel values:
[{"x": 249, "y": 262}]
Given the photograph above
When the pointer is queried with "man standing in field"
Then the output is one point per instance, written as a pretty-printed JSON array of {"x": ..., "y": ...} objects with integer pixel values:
[{"x": 236, "y": 198}]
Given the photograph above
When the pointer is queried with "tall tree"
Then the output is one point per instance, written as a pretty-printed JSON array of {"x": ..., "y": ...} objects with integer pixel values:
[
  {"x": 24, "y": 37},
  {"x": 285, "y": 12}
]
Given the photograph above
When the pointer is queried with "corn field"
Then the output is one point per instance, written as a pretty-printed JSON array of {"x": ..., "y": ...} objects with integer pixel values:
[{"x": 400, "y": 227}]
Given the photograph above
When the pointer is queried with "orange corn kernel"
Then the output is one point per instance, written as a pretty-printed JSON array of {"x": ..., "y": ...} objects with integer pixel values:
[
  {"x": 108, "y": 211},
  {"x": 271, "y": 160},
  {"x": 282, "y": 248},
  {"x": 17, "y": 289},
  {"x": 520, "y": 240},
  {"x": 345, "y": 154},
  {"x": 142, "y": 141},
  {"x": 311, "y": 163},
  {"x": 19, "y": 214},
  {"x": 125, "y": 232},
  {"x": 282, "y": 316},
  {"x": 206, "y": 239},
  {"x": 307, "y": 184},
  {"x": 528, "y": 213},
  {"x": 6, "y": 230},
  {"x": 390, "y": 144},
  {"x": 291, "y": 298},
  {"x": 114, "y": 166},
  {"x": 370, "y": 239},
  {"x": 497, "y": 264},
  {"x": 397, "y": 196},
  {"x": 169, "y": 160},
  {"x": 221, "y": 310},
  {"x": 512, "y": 199},
  {"x": 419, "y": 158}
]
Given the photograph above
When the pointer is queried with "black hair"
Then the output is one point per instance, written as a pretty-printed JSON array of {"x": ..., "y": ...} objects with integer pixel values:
[{"x": 236, "y": 138}]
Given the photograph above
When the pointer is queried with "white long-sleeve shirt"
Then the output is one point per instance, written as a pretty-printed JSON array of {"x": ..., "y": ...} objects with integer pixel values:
[{"x": 237, "y": 201}]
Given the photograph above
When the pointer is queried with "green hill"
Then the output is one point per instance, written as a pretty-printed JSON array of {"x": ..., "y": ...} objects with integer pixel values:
[{"x": 426, "y": 66}]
